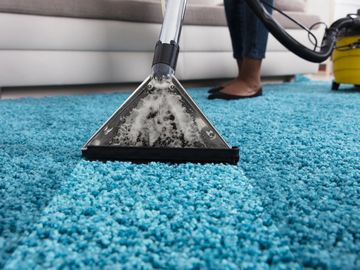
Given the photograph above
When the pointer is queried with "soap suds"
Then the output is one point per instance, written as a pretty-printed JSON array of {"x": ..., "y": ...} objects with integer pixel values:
[{"x": 160, "y": 119}]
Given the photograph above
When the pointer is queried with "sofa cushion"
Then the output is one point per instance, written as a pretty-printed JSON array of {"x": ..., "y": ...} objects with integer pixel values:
[
  {"x": 205, "y": 2},
  {"x": 291, "y": 5},
  {"x": 126, "y": 10},
  {"x": 194, "y": 2},
  {"x": 148, "y": 11}
]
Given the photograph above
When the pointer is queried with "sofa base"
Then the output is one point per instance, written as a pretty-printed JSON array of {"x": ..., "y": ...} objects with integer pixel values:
[
  {"x": 41, "y": 50},
  {"x": 30, "y": 68}
]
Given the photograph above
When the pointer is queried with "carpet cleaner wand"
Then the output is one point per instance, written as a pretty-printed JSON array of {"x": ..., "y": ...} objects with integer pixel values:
[{"x": 160, "y": 121}]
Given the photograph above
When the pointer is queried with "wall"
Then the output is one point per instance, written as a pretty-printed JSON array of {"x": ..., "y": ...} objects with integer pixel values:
[
  {"x": 344, "y": 7},
  {"x": 323, "y": 8},
  {"x": 331, "y": 10}
]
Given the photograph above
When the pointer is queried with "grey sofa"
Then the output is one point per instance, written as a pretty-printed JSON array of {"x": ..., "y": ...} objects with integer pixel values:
[{"x": 60, "y": 42}]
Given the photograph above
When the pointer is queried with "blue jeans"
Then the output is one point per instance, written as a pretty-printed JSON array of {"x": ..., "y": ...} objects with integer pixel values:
[{"x": 248, "y": 34}]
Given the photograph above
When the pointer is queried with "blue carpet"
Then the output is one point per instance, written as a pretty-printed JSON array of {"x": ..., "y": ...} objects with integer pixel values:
[{"x": 293, "y": 202}]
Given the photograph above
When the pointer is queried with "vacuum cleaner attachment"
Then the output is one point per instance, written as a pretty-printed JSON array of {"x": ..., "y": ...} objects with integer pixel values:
[{"x": 160, "y": 121}]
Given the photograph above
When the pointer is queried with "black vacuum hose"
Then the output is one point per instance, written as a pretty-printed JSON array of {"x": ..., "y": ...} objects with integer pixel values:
[{"x": 328, "y": 42}]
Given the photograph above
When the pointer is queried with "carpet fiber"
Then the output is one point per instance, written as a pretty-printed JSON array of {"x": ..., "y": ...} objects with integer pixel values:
[{"x": 293, "y": 201}]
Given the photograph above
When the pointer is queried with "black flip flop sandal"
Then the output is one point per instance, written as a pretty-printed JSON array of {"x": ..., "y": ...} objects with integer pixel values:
[
  {"x": 220, "y": 95},
  {"x": 215, "y": 89}
]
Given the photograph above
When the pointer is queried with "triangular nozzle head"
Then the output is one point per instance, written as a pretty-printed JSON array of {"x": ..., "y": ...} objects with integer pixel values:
[{"x": 159, "y": 122}]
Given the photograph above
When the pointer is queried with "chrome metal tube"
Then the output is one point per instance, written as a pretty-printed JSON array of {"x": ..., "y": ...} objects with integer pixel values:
[
  {"x": 167, "y": 49},
  {"x": 173, "y": 19}
]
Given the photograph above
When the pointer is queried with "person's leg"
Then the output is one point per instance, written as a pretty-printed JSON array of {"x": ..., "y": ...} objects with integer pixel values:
[
  {"x": 256, "y": 34},
  {"x": 248, "y": 82},
  {"x": 235, "y": 16}
]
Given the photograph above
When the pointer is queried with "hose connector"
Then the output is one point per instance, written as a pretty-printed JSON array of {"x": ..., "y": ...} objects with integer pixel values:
[{"x": 166, "y": 54}]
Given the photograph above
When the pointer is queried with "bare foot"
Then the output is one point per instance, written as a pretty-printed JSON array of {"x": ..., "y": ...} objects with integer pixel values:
[
  {"x": 248, "y": 82},
  {"x": 239, "y": 64},
  {"x": 228, "y": 83},
  {"x": 240, "y": 87}
]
